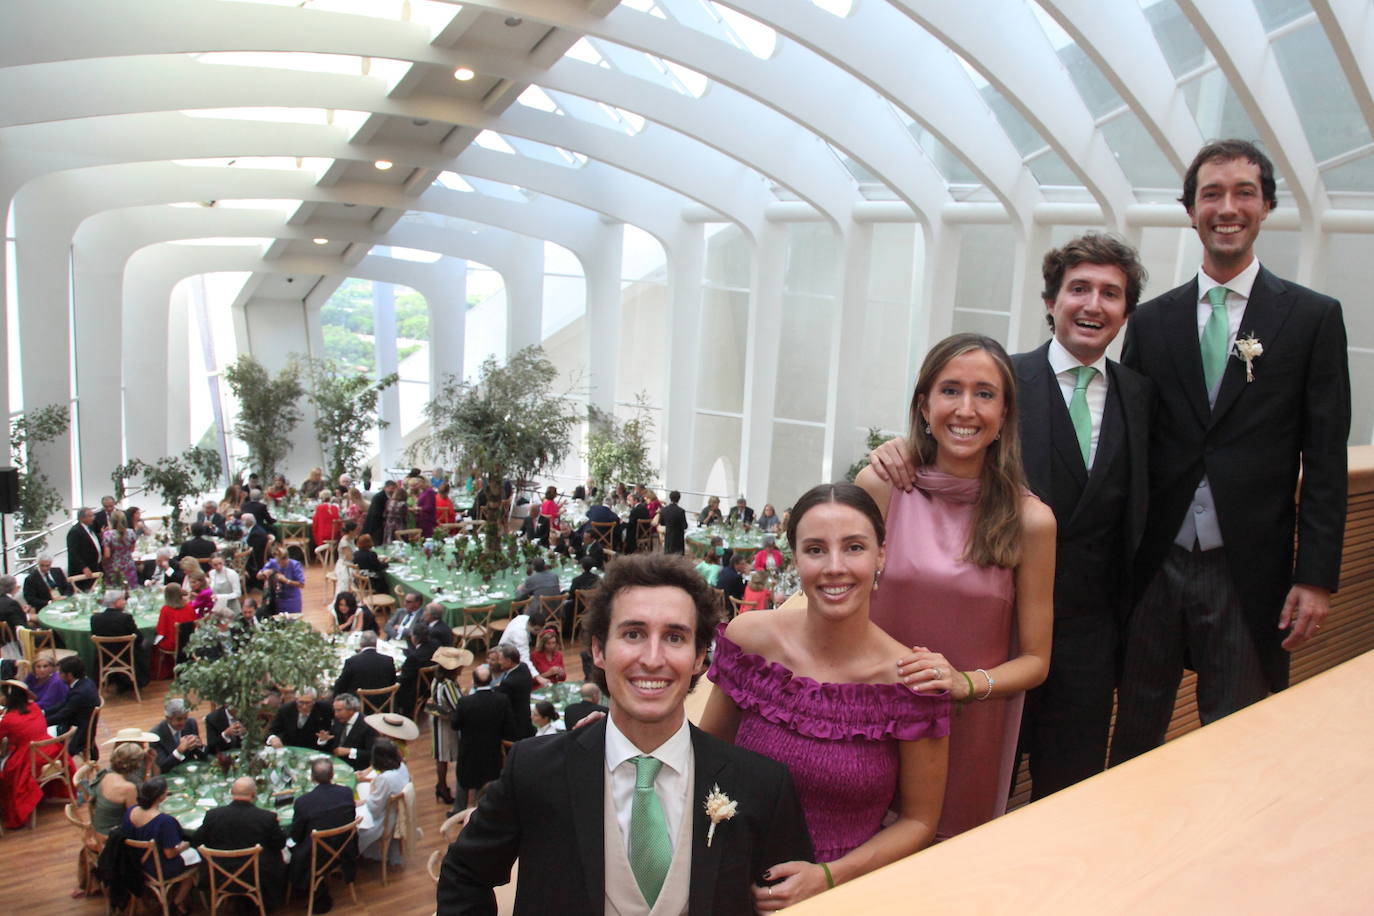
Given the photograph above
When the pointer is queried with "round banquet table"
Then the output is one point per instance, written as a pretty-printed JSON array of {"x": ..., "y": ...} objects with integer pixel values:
[
  {"x": 560, "y": 695},
  {"x": 199, "y": 785},
  {"x": 70, "y": 619},
  {"x": 746, "y": 543}
]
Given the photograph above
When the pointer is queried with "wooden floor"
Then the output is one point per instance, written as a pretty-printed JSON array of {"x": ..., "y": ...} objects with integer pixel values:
[{"x": 39, "y": 870}]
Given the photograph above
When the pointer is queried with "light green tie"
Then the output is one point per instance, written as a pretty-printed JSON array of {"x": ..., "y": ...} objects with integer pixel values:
[
  {"x": 651, "y": 850},
  {"x": 1214, "y": 335},
  {"x": 1078, "y": 411}
]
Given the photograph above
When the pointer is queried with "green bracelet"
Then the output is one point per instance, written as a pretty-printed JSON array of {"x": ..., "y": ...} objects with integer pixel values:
[
  {"x": 829, "y": 878},
  {"x": 970, "y": 687}
]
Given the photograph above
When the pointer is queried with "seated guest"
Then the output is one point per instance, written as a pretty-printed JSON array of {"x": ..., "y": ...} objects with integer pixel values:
[
  {"x": 768, "y": 519},
  {"x": 545, "y": 719},
  {"x": 709, "y": 567},
  {"x": 211, "y": 519},
  {"x": 48, "y": 689},
  {"x": 590, "y": 703},
  {"x": 178, "y": 737},
  {"x": 710, "y": 513},
  {"x": 769, "y": 557},
  {"x": 75, "y": 710},
  {"x": 367, "y": 669},
  {"x": 146, "y": 821},
  {"x": 134, "y": 517},
  {"x": 443, "y": 506},
  {"x": 45, "y": 583},
  {"x": 410, "y": 613},
  {"x": 368, "y": 563},
  {"x": 756, "y": 592},
  {"x": 298, "y": 724},
  {"x": 314, "y": 484},
  {"x": 175, "y": 611},
  {"x": 419, "y": 655},
  {"x": 160, "y": 572},
  {"x": 325, "y": 520},
  {"x": 11, "y": 611},
  {"x": 548, "y": 659},
  {"x": 733, "y": 576},
  {"x": 346, "y": 606},
  {"x": 390, "y": 777},
  {"x": 439, "y": 630},
  {"x": 586, "y": 579},
  {"x": 279, "y": 489},
  {"x": 21, "y": 726},
  {"x": 741, "y": 513},
  {"x": 241, "y": 824},
  {"x": 542, "y": 581},
  {"x": 255, "y": 507},
  {"x": 286, "y": 576},
  {"x": 198, "y": 546},
  {"x": 115, "y": 790},
  {"x": 324, "y": 807},
  {"x": 223, "y": 731},
  {"x": 114, "y": 620},
  {"x": 349, "y": 738}
]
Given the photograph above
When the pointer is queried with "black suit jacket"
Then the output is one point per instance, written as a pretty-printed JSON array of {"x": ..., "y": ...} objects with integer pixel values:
[
  {"x": 12, "y": 612},
  {"x": 214, "y": 521},
  {"x": 483, "y": 719},
  {"x": 517, "y": 686},
  {"x": 631, "y": 538},
  {"x": 576, "y": 712},
  {"x": 36, "y": 591},
  {"x": 284, "y": 725},
  {"x": 259, "y": 512},
  {"x": 322, "y": 808},
  {"x": 111, "y": 622},
  {"x": 375, "y": 520},
  {"x": 167, "y": 743},
  {"x": 673, "y": 518},
  {"x": 82, "y": 552},
  {"x": 76, "y": 710},
  {"x": 552, "y": 789},
  {"x": 730, "y": 582},
  {"x": 239, "y": 825},
  {"x": 366, "y": 670},
  {"x": 1251, "y": 444},
  {"x": 200, "y": 548},
  {"x": 215, "y": 725},
  {"x": 360, "y": 738}
]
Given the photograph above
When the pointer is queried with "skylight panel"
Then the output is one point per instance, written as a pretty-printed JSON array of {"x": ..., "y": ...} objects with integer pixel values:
[
  {"x": 452, "y": 181},
  {"x": 312, "y": 164},
  {"x": 414, "y": 254},
  {"x": 534, "y": 97},
  {"x": 743, "y": 32},
  {"x": 582, "y": 50},
  {"x": 683, "y": 79},
  {"x": 628, "y": 121},
  {"x": 489, "y": 139},
  {"x": 839, "y": 8}
]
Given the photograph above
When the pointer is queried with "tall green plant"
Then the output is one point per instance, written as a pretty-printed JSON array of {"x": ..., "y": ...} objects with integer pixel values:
[
  {"x": 269, "y": 408},
  {"x": 38, "y": 499},
  {"x": 175, "y": 478},
  {"x": 510, "y": 423},
  {"x": 620, "y": 450},
  {"x": 345, "y": 411},
  {"x": 284, "y": 650}
]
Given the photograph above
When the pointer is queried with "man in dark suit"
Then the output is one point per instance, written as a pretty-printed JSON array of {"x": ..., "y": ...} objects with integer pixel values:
[
  {"x": 241, "y": 824},
  {"x": 209, "y": 516},
  {"x": 1253, "y": 383},
  {"x": 419, "y": 655},
  {"x": 101, "y": 520},
  {"x": 439, "y": 630},
  {"x": 11, "y": 611},
  {"x": 673, "y": 518},
  {"x": 368, "y": 669},
  {"x": 298, "y": 724},
  {"x": 257, "y": 540},
  {"x": 398, "y": 627},
  {"x": 178, "y": 738},
  {"x": 590, "y": 703},
  {"x": 45, "y": 583},
  {"x": 733, "y": 576},
  {"x": 375, "y": 520},
  {"x": 223, "y": 731},
  {"x": 322, "y": 808},
  {"x": 516, "y": 683},
  {"x": 114, "y": 620},
  {"x": 603, "y": 514},
  {"x": 483, "y": 720},
  {"x": 198, "y": 545},
  {"x": 258, "y": 509},
  {"x": 653, "y": 617},
  {"x": 83, "y": 547},
  {"x": 75, "y": 710},
  {"x": 349, "y": 737},
  {"x": 638, "y": 512},
  {"x": 741, "y": 513}
]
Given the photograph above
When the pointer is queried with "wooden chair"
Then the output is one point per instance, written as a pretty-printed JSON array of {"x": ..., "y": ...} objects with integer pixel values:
[
  {"x": 170, "y": 647},
  {"x": 475, "y": 625},
  {"x": 229, "y": 880},
  {"x": 51, "y": 761},
  {"x": 92, "y": 843},
  {"x": 33, "y": 640},
  {"x": 239, "y": 561},
  {"x": 449, "y": 529},
  {"x": 423, "y": 688},
  {"x": 580, "y": 599},
  {"x": 327, "y": 851},
  {"x": 382, "y": 699},
  {"x": 81, "y": 578},
  {"x": 327, "y": 553},
  {"x": 739, "y": 606},
  {"x": 297, "y": 535},
  {"x": 363, "y": 586},
  {"x": 396, "y": 824},
  {"x": 551, "y": 609},
  {"x": 115, "y": 655},
  {"x": 92, "y": 750},
  {"x": 160, "y": 886},
  {"x": 409, "y": 535},
  {"x": 603, "y": 533},
  {"x": 646, "y": 536},
  {"x": 718, "y": 595}
]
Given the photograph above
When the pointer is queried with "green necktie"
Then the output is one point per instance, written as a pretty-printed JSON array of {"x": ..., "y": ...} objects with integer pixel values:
[
  {"x": 651, "y": 851},
  {"x": 1078, "y": 411},
  {"x": 1214, "y": 335}
]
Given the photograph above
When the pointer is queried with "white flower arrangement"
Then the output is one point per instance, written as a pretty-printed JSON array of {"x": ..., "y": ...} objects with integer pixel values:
[
  {"x": 719, "y": 807},
  {"x": 1249, "y": 349}
]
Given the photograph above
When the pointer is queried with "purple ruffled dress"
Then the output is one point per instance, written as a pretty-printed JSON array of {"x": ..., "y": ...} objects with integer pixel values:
[{"x": 838, "y": 740}]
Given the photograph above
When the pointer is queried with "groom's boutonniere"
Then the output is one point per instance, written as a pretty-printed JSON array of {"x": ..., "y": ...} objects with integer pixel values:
[
  {"x": 1249, "y": 349},
  {"x": 719, "y": 807}
]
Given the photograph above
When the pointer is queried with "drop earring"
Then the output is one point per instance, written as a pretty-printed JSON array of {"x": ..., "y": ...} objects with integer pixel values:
[
  {"x": 927, "y": 429},
  {"x": 877, "y": 574}
]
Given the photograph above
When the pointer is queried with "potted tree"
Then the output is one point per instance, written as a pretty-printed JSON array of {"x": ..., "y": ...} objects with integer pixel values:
[{"x": 174, "y": 478}]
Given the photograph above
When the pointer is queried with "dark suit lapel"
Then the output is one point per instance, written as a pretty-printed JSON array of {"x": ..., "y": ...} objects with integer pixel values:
[
  {"x": 1108, "y": 442},
  {"x": 1264, "y": 316},
  {"x": 1180, "y": 328},
  {"x": 1035, "y": 420},
  {"x": 586, "y": 794},
  {"x": 709, "y": 763}
]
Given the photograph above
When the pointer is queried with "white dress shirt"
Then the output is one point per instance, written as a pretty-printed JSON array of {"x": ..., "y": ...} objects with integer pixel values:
[
  {"x": 518, "y": 634},
  {"x": 670, "y": 786},
  {"x": 1064, "y": 363},
  {"x": 1237, "y": 297}
]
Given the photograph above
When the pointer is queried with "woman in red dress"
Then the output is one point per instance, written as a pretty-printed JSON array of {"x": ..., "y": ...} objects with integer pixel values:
[
  {"x": 547, "y": 659},
  {"x": 443, "y": 507},
  {"x": 22, "y": 724},
  {"x": 324, "y": 521},
  {"x": 175, "y": 610}
]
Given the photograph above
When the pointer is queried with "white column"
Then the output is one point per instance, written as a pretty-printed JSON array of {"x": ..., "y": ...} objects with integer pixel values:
[
  {"x": 1026, "y": 326},
  {"x": 525, "y": 297},
  {"x": 448, "y": 307},
  {"x": 846, "y": 351},
  {"x": 941, "y": 274},
  {"x": 686, "y": 261},
  {"x": 389, "y": 404},
  {"x": 761, "y": 359},
  {"x": 97, "y": 287},
  {"x": 178, "y": 372},
  {"x": 603, "y": 315}
]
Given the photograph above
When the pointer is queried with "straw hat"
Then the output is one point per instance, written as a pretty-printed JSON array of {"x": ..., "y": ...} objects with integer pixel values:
[
  {"x": 393, "y": 726},
  {"x": 132, "y": 736},
  {"x": 451, "y": 658},
  {"x": 25, "y": 687}
]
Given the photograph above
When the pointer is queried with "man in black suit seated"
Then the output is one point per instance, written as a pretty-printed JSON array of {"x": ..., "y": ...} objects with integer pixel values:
[
  {"x": 654, "y": 618},
  {"x": 198, "y": 545},
  {"x": 258, "y": 509},
  {"x": 590, "y": 703},
  {"x": 241, "y": 824},
  {"x": 638, "y": 512},
  {"x": 439, "y": 630},
  {"x": 210, "y": 517},
  {"x": 178, "y": 738},
  {"x": 114, "y": 620},
  {"x": 297, "y": 724},
  {"x": 11, "y": 611},
  {"x": 322, "y": 808},
  {"x": 409, "y": 614},
  {"x": 733, "y": 577},
  {"x": 602, "y": 513},
  {"x": 516, "y": 683},
  {"x": 75, "y": 710},
  {"x": 45, "y": 583},
  {"x": 368, "y": 669},
  {"x": 223, "y": 731},
  {"x": 349, "y": 737},
  {"x": 83, "y": 547},
  {"x": 421, "y": 651},
  {"x": 741, "y": 514}
]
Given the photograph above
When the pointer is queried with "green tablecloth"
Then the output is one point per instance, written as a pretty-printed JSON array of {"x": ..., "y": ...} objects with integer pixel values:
[
  {"x": 433, "y": 580},
  {"x": 740, "y": 541},
  {"x": 196, "y": 787},
  {"x": 560, "y": 695},
  {"x": 70, "y": 618}
]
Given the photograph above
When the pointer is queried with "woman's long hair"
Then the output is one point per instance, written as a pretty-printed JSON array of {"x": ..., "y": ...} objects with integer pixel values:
[{"x": 995, "y": 538}]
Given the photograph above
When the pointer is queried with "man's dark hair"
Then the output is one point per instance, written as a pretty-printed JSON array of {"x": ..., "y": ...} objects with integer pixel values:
[
  {"x": 738, "y": 558},
  {"x": 648, "y": 570},
  {"x": 197, "y": 529},
  {"x": 1225, "y": 151},
  {"x": 72, "y": 665},
  {"x": 322, "y": 771},
  {"x": 509, "y": 653},
  {"x": 588, "y": 564},
  {"x": 420, "y": 633},
  {"x": 846, "y": 494},
  {"x": 674, "y": 496},
  {"x": 539, "y": 564},
  {"x": 1093, "y": 248}
]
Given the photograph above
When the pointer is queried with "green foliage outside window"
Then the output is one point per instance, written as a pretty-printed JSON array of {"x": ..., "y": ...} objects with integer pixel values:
[
  {"x": 174, "y": 478},
  {"x": 345, "y": 411},
  {"x": 619, "y": 451}
]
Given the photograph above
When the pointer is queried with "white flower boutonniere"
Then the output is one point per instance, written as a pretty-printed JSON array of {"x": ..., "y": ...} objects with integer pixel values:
[
  {"x": 719, "y": 807},
  {"x": 1249, "y": 349}
]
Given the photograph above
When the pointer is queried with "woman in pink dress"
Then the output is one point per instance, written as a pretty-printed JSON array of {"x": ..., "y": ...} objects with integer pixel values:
[
  {"x": 970, "y": 571},
  {"x": 815, "y": 688},
  {"x": 117, "y": 547}
]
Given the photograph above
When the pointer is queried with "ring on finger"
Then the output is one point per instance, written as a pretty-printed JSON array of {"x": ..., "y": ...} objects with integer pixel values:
[{"x": 770, "y": 892}]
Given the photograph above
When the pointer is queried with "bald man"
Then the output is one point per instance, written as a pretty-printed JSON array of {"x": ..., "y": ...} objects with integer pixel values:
[{"x": 241, "y": 824}]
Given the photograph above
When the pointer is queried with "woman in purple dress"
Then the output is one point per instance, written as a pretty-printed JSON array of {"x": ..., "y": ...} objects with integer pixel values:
[
  {"x": 814, "y": 688},
  {"x": 117, "y": 546},
  {"x": 968, "y": 585},
  {"x": 286, "y": 577}
]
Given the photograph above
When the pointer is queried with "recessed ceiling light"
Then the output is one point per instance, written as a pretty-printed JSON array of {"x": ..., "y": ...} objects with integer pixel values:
[
  {"x": 383, "y": 164},
  {"x": 463, "y": 74},
  {"x": 321, "y": 241},
  {"x": 513, "y": 21}
]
